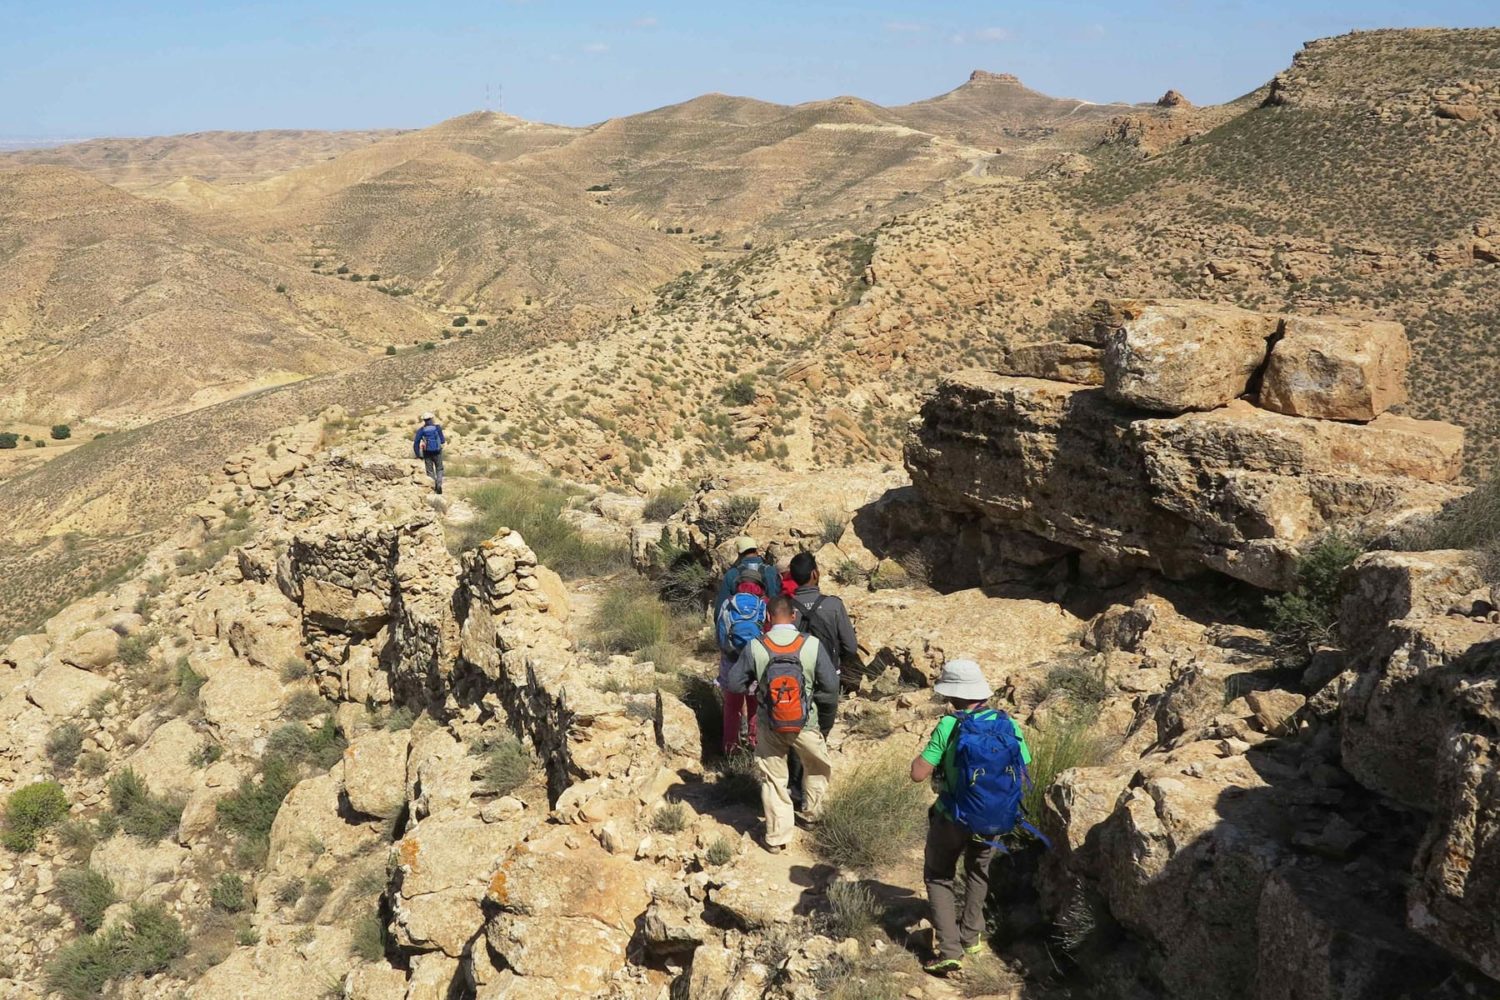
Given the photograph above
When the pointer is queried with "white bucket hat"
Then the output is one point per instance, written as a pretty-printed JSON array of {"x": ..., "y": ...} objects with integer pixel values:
[
  {"x": 428, "y": 416},
  {"x": 962, "y": 679}
]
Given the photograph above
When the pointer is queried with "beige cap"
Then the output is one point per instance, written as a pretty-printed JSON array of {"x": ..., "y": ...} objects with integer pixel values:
[
  {"x": 429, "y": 415},
  {"x": 744, "y": 544}
]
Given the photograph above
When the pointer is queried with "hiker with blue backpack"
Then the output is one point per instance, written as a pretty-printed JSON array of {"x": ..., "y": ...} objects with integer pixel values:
[
  {"x": 428, "y": 446},
  {"x": 747, "y": 554},
  {"x": 979, "y": 756},
  {"x": 741, "y": 619},
  {"x": 795, "y": 680}
]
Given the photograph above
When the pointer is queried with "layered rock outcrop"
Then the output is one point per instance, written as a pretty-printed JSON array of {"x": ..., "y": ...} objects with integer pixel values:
[{"x": 1208, "y": 480}]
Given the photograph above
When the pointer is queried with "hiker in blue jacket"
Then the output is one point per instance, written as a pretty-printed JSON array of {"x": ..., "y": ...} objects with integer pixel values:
[
  {"x": 979, "y": 757},
  {"x": 428, "y": 446},
  {"x": 747, "y": 554}
]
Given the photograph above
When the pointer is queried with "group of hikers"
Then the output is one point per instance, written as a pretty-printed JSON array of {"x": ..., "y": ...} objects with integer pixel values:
[{"x": 787, "y": 650}]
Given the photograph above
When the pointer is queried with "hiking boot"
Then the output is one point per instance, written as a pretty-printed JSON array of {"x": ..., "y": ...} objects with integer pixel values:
[
  {"x": 775, "y": 848},
  {"x": 943, "y": 967},
  {"x": 974, "y": 949}
]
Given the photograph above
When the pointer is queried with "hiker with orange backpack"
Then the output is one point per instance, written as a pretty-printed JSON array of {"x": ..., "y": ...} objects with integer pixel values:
[{"x": 795, "y": 680}]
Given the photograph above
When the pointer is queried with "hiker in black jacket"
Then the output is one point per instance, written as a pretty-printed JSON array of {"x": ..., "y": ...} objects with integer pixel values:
[{"x": 824, "y": 616}]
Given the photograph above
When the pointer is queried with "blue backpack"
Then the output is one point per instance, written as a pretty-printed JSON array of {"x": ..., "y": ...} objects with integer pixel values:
[
  {"x": 431, "y": 436},
  {"x": 991, "y": 777},
  {"x": 740, "y": 620}
]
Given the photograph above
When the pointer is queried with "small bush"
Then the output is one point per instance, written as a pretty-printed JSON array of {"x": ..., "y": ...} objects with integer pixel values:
[
  {"x": 228, "y": 894},
  {"x": 7, "y": 441},
  {"x": 61, "y": 432},
  {"x": 732, "y": 514},
  {"x": 833, "y": 527},
  {"x": 77, "y": 835},
  {"x": 189, "y": 681},
  {"x": 740, "y": 392},
  {"x": 872, "y": 816},
  {"x": 847, "y": 573},
  {"x": 289, "y": 893},
  {"x": 64, "y": 744},
  {"x": 629, "y": 618},
  {"x": 720, "y": 852},
  {"x": 1068, "y": 743},
  {"x": 135, "y": 650},
  {"x": 320, "y": 748},
  {"x": 664, "y": 503},
  {"x": 1308, "y": 614},
  {"x": 251, "y": 809},
  {"x": 534, "y": 508},
  {"x": 1082, "y": 683},
  {"x": 94, "y": 763},
  {"x": 390, "y": 350},
  {"x": 304, "y": 705},
  {"x": 295, "y": 669},
  {"x": 30, "y": 811},
  {"x": 506, "y": 767},
  {"x": 144, "y": 944},
  {"x": 368, "y": 940},
  {"x": 140, "y": 813},
  {"x": 853, "y": 911},
  {"x": 399, "y": 718},
  {"x": 670, "y": 818},
  {"x": 85, "y": 894},
  {"x": 207, "y": 753}
]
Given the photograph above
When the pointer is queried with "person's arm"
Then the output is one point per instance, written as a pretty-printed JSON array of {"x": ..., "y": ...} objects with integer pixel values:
[
  {"x": 825, "y": 689},
  {"x": 416, "y": 443},
  {"x": 848, "y": 644},
  {"x": 742, "y": 674},
  {"x": 1021, "y": 737},
  {"x": 726, "y": 588},
  {"x": 931, "y": 756}
]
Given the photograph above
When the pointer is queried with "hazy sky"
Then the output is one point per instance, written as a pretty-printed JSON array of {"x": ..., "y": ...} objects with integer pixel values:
[{"x": 114, "y": 67}]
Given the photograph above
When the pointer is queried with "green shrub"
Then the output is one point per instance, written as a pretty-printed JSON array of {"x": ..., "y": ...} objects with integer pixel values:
[
  {"x": 740, "y": 392},
  {"x": 629, "y": 618},
  {"x": 872, "y": 816},
  {"x": 64, "y": 744},
  {"x": 304, "y": 705},
  {"x": 143, "y": 944},
  {"x": 134, "y": 650},
  {"x": 30, "y": 811},
  {"x": 731, "y": 514},
  {"x": 320, "y": 748},
  {"x": 140, "y": 813},
  {"x": 85, "y": 894},
  {"x": 295, "y": 669},
  {"x": 228, "y": 894},
  {"x": 534, "y": 508},
  {"x": 506, "y": 767},
  {"x": 685, "y": 582},
  {"x": 833, "y": 527},
  {"x": 368, "y": 940},
  {"x": 670, "y": 818},
  {"x": 399, "y": 718},
  {"x": 664, "y": 503},
  {"x": 1308, "y": 614},
  {"x": 251, "y": 809},
  {"x": 1082, "y": 683},
  {"x": 720, "y": 852},
  {"x": 390, "y": 350},
  {"x": 853, "y": 911},
  {"x": 1470, "y": 522},
  {"x": 7, "y": 440},
  {"x": 1068, "y": 743},
  {"x": 77, "y": 835},
  {"x": 61, "y": 432},
  {"x": 94, "y": 763},
  {"x": 847, "y": 573}
]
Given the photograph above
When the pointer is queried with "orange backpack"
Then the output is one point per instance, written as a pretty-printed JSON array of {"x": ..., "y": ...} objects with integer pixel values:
[{"x": 784, "y": 686}]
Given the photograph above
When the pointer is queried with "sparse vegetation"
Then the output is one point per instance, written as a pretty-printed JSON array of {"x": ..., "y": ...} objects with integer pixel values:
[
  {"x": 720, "y": 852},
  {"x": 7, "y": 440},
  {"x": 1307, "y": 614},
  {"x": 506, "y": 766},
  {"x": 732, "y": 514},
  {"x": 228, "y": 894},
  {"x": 1067, "y": 743},
  {"x": 143, "y": 944},
  {"x": 534, "y": 508},
  {"x": 29, "y": 812},
  {"x": 670, "y": 818},
  {"x": 629, "y": 618},
  {"x": 140, "y": 813},
  {"x": 61, "y": 432},
  {"x": 853, "y": 911},
  {"x": 871, "y": 815},
  {"x": 85, "y": 894},
  {"x": 368, "y": 940},
  {"x": 64, "y": 743},
  {"x": 664, "y": 503}
]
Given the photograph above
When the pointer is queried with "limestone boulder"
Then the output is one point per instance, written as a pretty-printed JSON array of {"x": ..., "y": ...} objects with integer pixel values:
[
  {"x": 375, "y": 773},
  {"x": 1384, "y": 586},
  {"x": 25, "y": 654},
  {"x": 310, "y": 814},
  {"x": 1238, "y": 489},
  {"x": 134, "y": 866},
  {"x": 92, "y": 650},
  {"x": 201, "y": 812},
  {"x": 566, "y": 913},
  {"x": 239, "y": 701},
  {"x": 444, "y": 867},
  {"x": 1063, "y": 361},
  {"x": 1171, "y": 356},
  {"x": 63, "y": 691},
  {"x": 288, "y": 967},
  {"x": 165, "y": 761},
  {"x": 1336, "y": 369},
  {"x": 343, "y": 609}
]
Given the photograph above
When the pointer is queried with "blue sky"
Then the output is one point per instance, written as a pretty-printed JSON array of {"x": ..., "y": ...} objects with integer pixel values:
[{"x": 72, "y": 68}]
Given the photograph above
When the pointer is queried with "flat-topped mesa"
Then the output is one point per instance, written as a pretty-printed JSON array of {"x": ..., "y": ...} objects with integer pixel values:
[{"x": 1155, "y": 454}]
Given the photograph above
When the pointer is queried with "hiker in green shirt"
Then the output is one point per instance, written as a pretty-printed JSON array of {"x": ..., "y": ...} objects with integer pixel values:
[{"x": 962, "y": 683}]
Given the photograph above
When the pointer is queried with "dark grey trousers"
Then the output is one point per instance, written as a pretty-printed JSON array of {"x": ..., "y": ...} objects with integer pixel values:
[
  {"x": 434, "y": 464},
  {"x": 946, "y": 843}
]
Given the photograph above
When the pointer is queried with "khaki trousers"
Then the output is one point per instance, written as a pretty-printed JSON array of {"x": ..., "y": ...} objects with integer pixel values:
[{"x": 770, "y": 760}]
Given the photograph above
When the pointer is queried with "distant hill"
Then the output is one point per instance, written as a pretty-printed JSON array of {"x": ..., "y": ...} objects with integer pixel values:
[{"x": 120, "y": 309}]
